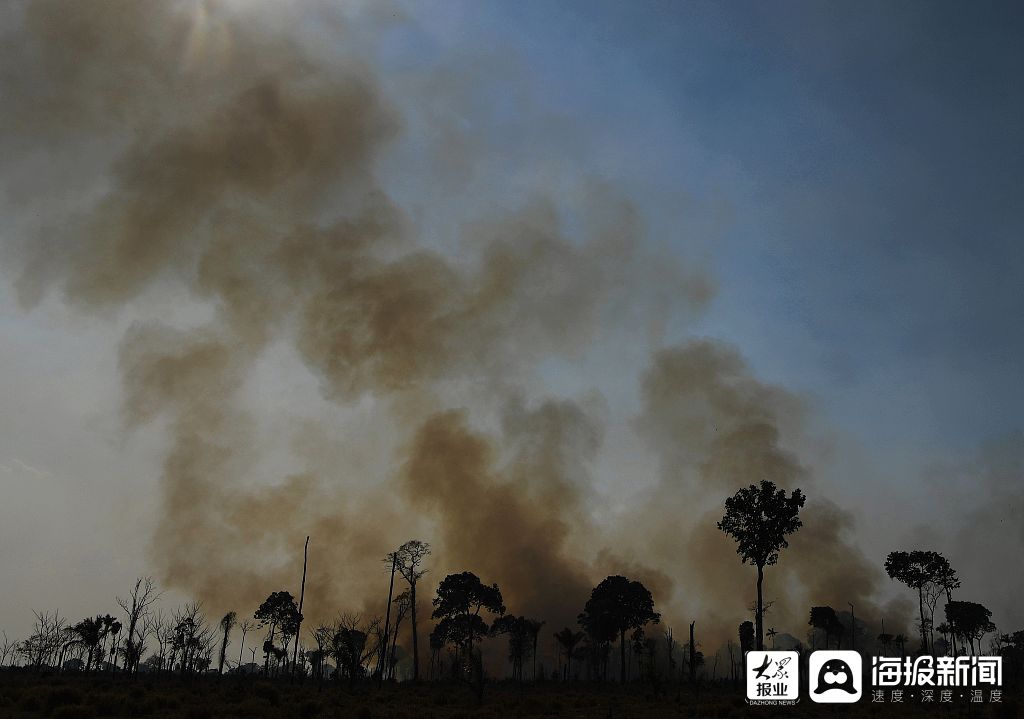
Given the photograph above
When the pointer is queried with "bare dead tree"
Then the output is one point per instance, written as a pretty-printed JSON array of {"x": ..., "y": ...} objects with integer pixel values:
[
  {"x": 302, "y": 596},
  {"x": 322, "y": 635},
  {"x": 193, "y": 638},
  {"x": 392, "y": 559},
  {"x": 163, "y": 631},
  {"x": 43, "y": 646},
  {"x": 245, "y": 626},
  {"x": 693, "y": 658},
  {"x": 136, "y": 608},
  {"x": 7, "y": 649}
]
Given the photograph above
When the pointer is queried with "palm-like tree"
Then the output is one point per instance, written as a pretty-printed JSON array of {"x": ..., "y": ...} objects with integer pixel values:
[
  {"x": 533, "y": 627},
  {"x": 771, "y": 635},
  {"x": 568, "y": 640},
  {"x": 89, "y": 632},
  {"x": 114, "y": 629},
  {"x": 227, "y": 623}
]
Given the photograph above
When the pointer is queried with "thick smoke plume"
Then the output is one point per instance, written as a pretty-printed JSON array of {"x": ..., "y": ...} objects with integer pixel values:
[
  {"x": 210, "y": 158},
  {"x": 714, "y": 428}
]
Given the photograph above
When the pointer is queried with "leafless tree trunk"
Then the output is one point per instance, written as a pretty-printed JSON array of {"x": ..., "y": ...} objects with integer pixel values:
[
  {"x": 693, "y": 658},
  {"x": 302, "y": 595},
  {"x": 136, "y": 607},
  {"x": 387, "y": 621},
  {"x": 245, "y": 626}
]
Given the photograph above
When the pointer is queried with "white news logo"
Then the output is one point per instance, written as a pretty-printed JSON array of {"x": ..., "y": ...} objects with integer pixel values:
[
  {"x": 835, "y": 677},
  {"x": 937, "y": 671},
  {"x": 773, "y": 676}
]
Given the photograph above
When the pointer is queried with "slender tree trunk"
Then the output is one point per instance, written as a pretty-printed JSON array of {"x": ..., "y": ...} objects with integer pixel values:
[
  {"x": 693, "y": 658},
  {"x": 394, "y": 646},
  {"x": 223, "y": 652},
  {"x": 760, "y": 607},
  {"x": 952, "y": 625},
  {"x": 622, "y": 656},
  {"x": 534, "y": 657},
  {"x": 241, "y": 648},
  {"x": 415, "y": 638},
  {"x": 853, "y": 630},
  {"x": 266, "y": 654},
  {"x": 924, "y": 627},
  {"x": 302, "y": 595},
  {"x": 382, "y": 663}
]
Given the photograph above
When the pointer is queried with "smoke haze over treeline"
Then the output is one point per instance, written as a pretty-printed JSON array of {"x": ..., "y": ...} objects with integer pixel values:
[{"x": 524, "y": 382}]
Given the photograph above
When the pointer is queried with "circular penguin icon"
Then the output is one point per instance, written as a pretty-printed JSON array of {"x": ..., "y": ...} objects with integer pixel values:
[{"x": 835, "y": 674}]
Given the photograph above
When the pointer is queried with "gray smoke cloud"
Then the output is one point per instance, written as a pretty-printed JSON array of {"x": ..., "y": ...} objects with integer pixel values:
[{"x": 217, "y": 156}]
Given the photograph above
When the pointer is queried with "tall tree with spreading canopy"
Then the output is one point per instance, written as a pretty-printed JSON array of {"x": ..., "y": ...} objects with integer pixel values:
[
  {"x": 281, "y": 614},
  {"x": 826, "y": 619},
  {"x": 759, "y": 518},
  {"x": 971, "y": 621},
  {"x": 918, "y": 569},
  {"x": 411, "y": 556},
  {"x": 459, "y": 601},
  {"x": 618, "y": 605}
]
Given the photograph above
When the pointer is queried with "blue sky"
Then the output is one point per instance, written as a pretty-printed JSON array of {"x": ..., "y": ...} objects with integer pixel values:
[{"x": 858, "y": 168}]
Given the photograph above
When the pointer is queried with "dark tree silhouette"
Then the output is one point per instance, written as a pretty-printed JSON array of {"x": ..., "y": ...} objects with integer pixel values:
[
  {"x": 459, "y": 601},
  {"x": 759, "y": 518},
  {"x": 411, "y": 557},
  {"x": 918, "y": 569},
  {"x": 901, "y": 641},
  {"x": 302, "y": 598},
  {"x": 281, "y": 614},
  {"x": 403, "y": 603},
  {"x": 618, "y": 605},
  {"x": 520, "y": 640},
  {"x": 746, "y": 636},
  {"x": 227, "y": 623},
  {"x": 1012, "y": 652},
  {"x": 825, "y": 619},
  {"x": 534, "y": 626},
  {"x": 390, "y": 559},
  {"x": 692, "y": 657},
  {"x": 89, "y": 633},
  {"x": 970, "y": 620},
  {"x": 436, "y": 645},
  {"x": 348, "y": 648},
  {"x": 568, "y": 640},
  {"x": 191, "y": 639},
  {"x": 946, "y": 577},
  {"x": 137, "y": 609},
  {"x": 245, "y": 626}
]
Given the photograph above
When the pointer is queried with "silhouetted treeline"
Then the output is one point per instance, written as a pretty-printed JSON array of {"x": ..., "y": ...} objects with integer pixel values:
[{"x": 618, "y": 635}]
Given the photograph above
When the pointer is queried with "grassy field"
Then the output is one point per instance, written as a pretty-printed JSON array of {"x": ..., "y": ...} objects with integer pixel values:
[{"x": 82, "y": 697}]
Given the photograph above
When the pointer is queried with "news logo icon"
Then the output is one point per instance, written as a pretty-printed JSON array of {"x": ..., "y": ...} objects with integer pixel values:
[
  {"x": 772, "y": 677},
  {"x": 835, "y": 677}
]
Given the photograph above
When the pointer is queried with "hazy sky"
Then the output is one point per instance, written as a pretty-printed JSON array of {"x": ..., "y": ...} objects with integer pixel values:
[{"x": 846, "y": 176}]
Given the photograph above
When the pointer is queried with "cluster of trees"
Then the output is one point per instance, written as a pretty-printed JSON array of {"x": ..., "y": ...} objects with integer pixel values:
[{"x": 466, "y": 611}]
